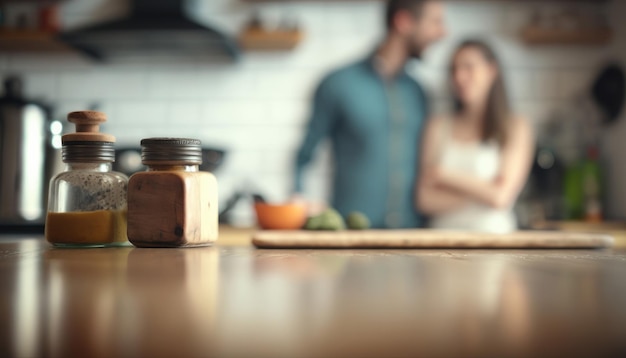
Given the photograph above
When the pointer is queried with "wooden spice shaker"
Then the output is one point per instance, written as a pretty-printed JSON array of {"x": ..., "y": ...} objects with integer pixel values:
[{"x": 172, "y": 204}]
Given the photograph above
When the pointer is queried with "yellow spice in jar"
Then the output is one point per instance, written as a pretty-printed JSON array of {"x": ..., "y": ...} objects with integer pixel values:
[{"x": 86, "y": 227}]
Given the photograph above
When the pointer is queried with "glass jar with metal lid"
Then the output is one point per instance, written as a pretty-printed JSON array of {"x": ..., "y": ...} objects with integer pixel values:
[
  {"x": 173, "y": 203},
  {"x": 87, "y": 203}
]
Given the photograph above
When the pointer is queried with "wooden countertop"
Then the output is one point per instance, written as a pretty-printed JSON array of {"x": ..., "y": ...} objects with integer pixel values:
[
  {"x": 613, "y": 228},
  {"x": 233, "y": 236},
  {"x": 235, "y": 301}
]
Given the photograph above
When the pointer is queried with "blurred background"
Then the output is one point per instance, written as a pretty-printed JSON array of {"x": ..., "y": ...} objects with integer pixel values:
[{"x": 242, "y": 83}]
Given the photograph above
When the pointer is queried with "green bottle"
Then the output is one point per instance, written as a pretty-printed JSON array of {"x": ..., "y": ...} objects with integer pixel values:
[
  {"x": 592, "y": 186},
  {"x": 573, "y": 191}
]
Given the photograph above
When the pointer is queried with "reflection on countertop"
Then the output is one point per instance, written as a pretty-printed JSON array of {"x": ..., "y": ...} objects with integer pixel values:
[{"x": 234, "y": 301}]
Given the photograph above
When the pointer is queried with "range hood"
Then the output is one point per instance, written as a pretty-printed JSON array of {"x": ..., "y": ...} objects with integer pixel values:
[{"x": 155, "y": 28}]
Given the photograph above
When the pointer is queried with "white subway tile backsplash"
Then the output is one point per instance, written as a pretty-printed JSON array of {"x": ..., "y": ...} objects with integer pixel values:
[
  {"x": 288, "y": 113},
  {"x": 558, "y": 57},
  {"x": 101, "y": 84},
  {"x": 53, "y": 62},
  {"x": 438, "y": 55},
  {"x": 318, "y": 175},
  {"x": 125, "y": 84},
  {"x": 306, "y": 55},
  {"x": 434, "y": 80},
  {"x": 238, "y": 162},
  {"x": 276, "y": 187},
  {"x": 172, "y": 85},
  {"x": 108, "y": 107},
  {"x": 226, "y": 82},
  {"x": 520, "y": 84},
  {"x": 132, "y": 137},
  {"x": 280, "y": 160},
  {"x": 525, "y": 84},
  {"x": 220, "y": 113},
  {"x": 545, "y": 85},
  {"x": 80, "y": 85},
  {"x": 365, "y": 23},
  {"x": 513, "y": 54},
  {"x": 613, "y": 148},
  {"x": 42, "y": 86},
  {"x": 258, "y": 108},
  {"x": 269, "y": 60},
  {"x": 536, "y": 112},
  {"x": 313, "y": 17},
  {"x": 286, "y": 84},
  {"x": 575, "y": 83},
  {"x": 140, "y": 113},
  {"x": 259, "y": 137},
  {"x": 248, "y": 138},
  {"x": 184, "y": 113},
  {"x": 4, "y": 63},
  {"x": 228, "y": 113},
  {"x": 62, "y": 108},
  {"x": 486, "y": 18},
  {"x": 515, "y": 16}
]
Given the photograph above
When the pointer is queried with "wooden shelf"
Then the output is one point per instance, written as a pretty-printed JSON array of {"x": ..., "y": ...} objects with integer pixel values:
[
  {"x": 43, "y": 2},
  {"x": 30, "y": 42},
  {"x": 587, "y": 37},
  {"x": 263, "y": 40}
]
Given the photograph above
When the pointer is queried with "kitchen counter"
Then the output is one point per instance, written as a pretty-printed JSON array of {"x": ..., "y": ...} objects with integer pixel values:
[
  {"x": 235, "y": 236},
  {"x": 235, "y": 301},
  {"x": 613, "y": 228}
]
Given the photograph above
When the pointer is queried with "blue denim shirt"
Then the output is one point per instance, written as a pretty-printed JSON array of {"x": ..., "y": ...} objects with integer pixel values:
[{"x": 375, "y": 128}]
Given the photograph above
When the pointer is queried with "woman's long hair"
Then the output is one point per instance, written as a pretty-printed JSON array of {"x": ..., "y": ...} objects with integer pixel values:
[{"x": 498, "y": 109}]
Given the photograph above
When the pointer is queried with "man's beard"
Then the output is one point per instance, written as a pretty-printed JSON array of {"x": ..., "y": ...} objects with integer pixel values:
[
  {"x": 416, "y": 55},
  {"x": 415, "y": 52}
]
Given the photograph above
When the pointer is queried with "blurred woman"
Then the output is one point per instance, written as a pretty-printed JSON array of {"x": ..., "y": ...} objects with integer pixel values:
[{"x": 476, "y": 160}]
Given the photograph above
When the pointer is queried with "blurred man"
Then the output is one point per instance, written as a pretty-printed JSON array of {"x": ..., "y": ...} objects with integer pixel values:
[{"x": 373, "y": 112}]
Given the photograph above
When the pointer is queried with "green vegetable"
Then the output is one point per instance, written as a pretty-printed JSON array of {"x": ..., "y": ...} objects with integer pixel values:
[
  {"x": 313, "y": 223},
  {"x": 358, "y": 221},
  {"x": 330, "y": 219}
]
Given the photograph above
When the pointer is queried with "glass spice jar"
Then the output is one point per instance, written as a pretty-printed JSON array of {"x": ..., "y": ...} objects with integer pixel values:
[
  {"x": 87, "y": 202},
  {"x": 173, "y": 203}
]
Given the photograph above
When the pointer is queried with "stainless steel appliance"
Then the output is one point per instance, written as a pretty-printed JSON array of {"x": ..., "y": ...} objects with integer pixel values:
[{"x": 28, "y": 158}]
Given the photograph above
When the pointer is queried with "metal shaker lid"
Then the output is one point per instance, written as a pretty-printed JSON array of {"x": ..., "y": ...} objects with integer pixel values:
[{"x": 171, "y": 151}]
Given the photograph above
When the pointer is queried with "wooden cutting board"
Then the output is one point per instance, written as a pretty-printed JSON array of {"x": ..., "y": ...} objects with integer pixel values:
[{"x": 429, "y": 239}]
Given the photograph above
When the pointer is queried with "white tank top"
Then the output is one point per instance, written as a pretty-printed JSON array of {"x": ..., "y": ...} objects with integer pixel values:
[{"x": 481, "y": 160}]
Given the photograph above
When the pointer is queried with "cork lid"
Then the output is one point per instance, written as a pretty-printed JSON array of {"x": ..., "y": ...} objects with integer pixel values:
[{"x": 87, "y": 127}]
